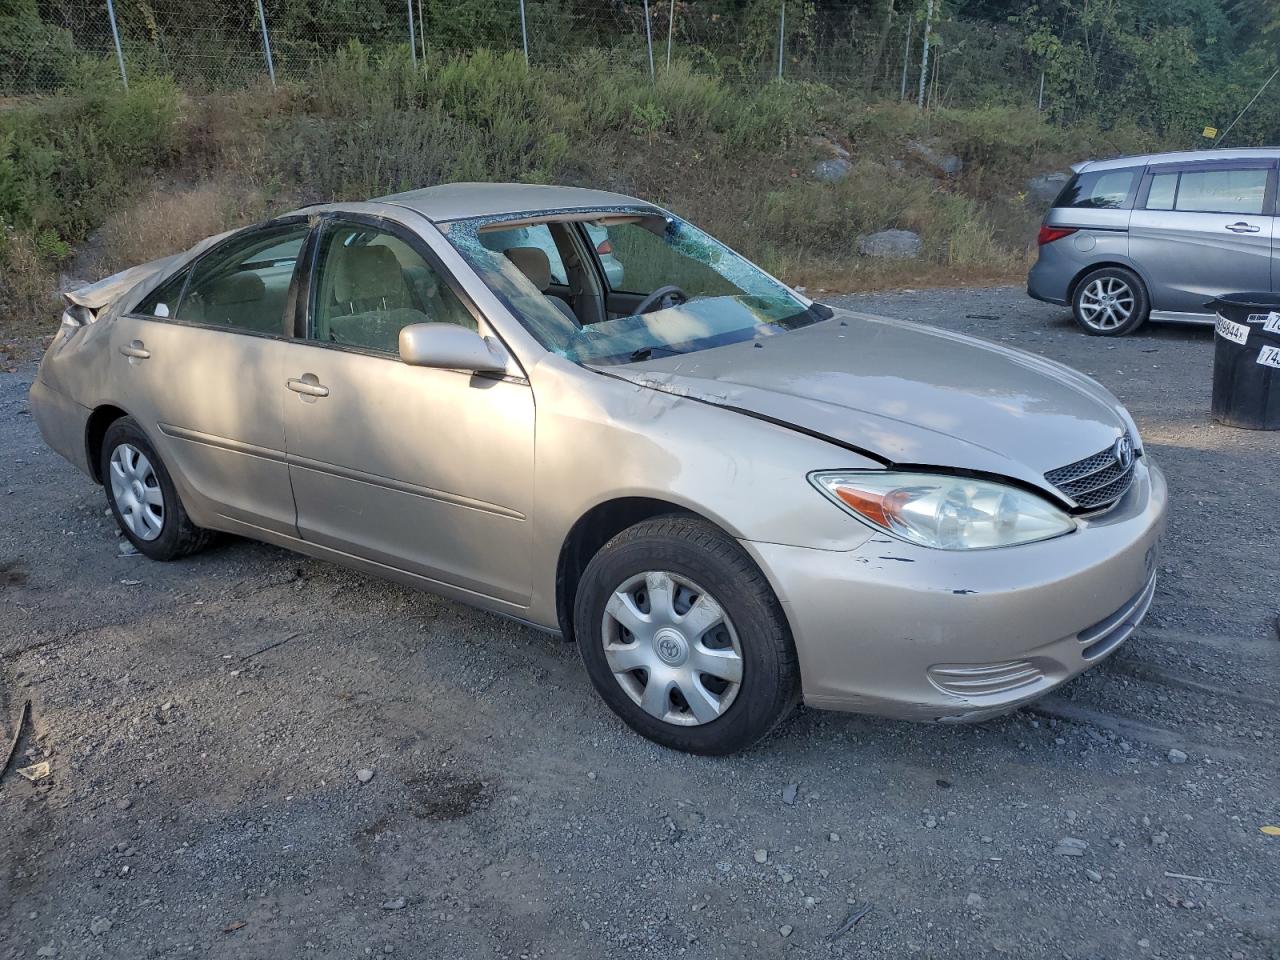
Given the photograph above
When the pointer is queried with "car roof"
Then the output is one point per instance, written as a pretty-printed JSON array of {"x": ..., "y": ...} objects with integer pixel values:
[
  {"x": 1182, "y": 156},
  {"x": 459, "y": 201}
]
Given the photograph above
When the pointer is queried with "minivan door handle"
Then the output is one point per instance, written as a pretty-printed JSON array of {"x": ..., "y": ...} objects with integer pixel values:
[
  {"x": 136, "y": 351},
  {"x": 308, "y": 385},
  {"x": 1241, "y": 227}
]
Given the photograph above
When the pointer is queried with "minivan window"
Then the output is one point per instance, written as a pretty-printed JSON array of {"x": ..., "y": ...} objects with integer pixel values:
[
  {"x": 1099, "y": 189},
  {"x": 1222, "y": 191}
]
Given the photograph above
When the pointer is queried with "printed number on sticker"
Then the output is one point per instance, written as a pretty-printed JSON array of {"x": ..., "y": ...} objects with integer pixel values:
[
  {"x": 1272, "y": 323},
  {"x": 1229, "y": 330},
  {"x": 1270, "y": 357}
]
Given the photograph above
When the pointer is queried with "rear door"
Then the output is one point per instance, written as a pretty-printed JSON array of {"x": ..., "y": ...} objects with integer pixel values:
[
  {"x": 1201, "y": 229},
  {"x": 198, "y": 364}
]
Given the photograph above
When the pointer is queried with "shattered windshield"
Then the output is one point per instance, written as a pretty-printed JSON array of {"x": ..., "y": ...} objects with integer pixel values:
[{"x": 660, "y": 286}]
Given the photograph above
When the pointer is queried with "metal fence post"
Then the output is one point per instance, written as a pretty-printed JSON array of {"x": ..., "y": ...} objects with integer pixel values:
[
  {"x": 671, "y": 29},
  {"x": 648, "y": 39},
  {"x": 524, "y": 33},
  {"x": 266, "y": 45},
  {"x": 115, "y": 35},
  {"x": 422, "y": 32},
  {"x": 1040, "y": 101},
  {"x": 906, "y": 60},
  {"x": 413, "y": 37},
  {"x": 782, "y": 34}
]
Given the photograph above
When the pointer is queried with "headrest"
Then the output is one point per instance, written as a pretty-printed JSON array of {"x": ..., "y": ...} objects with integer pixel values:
[
  {"x": 237, "y": 288},
  {"x": 366, "y": 273},
  {"x": 533, "y": 263}
]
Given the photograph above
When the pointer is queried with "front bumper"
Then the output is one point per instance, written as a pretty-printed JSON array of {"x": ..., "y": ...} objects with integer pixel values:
[{"x": 905, "y": 631}]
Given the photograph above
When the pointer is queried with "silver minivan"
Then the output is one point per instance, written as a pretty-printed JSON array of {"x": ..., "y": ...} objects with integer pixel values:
[{"x": 1158, "y": 237}]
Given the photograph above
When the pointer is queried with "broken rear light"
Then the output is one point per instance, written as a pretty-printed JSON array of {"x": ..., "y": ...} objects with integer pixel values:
[{"x": 1049, "y": 234}]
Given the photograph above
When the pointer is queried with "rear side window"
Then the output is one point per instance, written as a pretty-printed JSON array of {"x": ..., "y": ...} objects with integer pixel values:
[
  {"x": 1242, "y": 190},
  {"x": 1100, "y": 189}
]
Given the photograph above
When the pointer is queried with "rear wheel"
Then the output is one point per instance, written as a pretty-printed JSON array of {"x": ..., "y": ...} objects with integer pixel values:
[
  {"x": 142, "y": 496},
  {"x": 683, "y": 637},
  {"x": 1110, "y": 302}
]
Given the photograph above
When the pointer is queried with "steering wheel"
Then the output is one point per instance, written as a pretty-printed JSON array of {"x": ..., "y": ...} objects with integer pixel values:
[{"x": 663, "y": 297}]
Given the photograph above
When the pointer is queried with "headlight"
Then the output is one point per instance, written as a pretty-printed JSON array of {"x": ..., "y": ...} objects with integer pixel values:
[{"x": 949, "y": 513}]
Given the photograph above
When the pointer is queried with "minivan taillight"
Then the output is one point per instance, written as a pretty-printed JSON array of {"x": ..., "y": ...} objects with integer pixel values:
[
  {"x": 1049, "y": 234},
  {"x": 604, "y": 246}
]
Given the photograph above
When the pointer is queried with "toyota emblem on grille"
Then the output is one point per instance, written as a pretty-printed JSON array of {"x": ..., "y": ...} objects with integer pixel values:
[{"x": 1124, "y": 452}]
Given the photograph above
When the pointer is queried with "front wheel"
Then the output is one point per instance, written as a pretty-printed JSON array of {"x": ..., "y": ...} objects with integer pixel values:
[
  {"x": 683, "y": 637},
  {"x": 1110, "y": 302},
  {"x": 142, "y": 496}
]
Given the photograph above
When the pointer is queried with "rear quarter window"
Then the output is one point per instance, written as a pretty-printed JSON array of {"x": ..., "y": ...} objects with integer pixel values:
[{"x": 1100, "y": 189}]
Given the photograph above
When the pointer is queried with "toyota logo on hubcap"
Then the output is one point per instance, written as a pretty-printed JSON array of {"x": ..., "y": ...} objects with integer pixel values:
[{"x": 671, "y": 647}]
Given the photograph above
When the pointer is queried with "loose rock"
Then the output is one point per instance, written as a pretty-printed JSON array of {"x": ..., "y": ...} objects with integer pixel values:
[{"x": 1070, "y": 847}]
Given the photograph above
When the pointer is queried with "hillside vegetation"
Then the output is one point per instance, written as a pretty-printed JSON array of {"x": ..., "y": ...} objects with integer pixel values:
[{"x": 152, "y": 170}]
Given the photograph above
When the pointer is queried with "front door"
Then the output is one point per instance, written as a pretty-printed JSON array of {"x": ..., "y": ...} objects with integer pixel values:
[
  {"x": 425, "y": 470},
  {"x": 1202, "y": 229},
  {"x": 199, "y": 360}
]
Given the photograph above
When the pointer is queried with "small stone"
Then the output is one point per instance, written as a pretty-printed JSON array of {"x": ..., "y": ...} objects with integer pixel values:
[
  {"x": 1093, "y": 875},
  {"x": 1177, "y": 756},
  {"x": 364, "y": 775},
  {"x": 785, "y": 930},
  {"x": 1159, "y": 839},
  {"x": 47, "y": 952},
  {"x": 166, "y": 706},
  {"x": 1144, "y": 943},
  {"x": 591, "y": 775},
  {"x": 100, "y": 926},
  {"x": 124, "y": 803},
  {"x": 810, "y": 902},
  {"x": 1070, "y": 847},
  {"x": 930, "y": 823},
  {"x": 834, "y": 838},
  {"x": 789, "y": 793},
  {"x": 974, "y": 900},
  {"x": 126, "y": 549},
  {"x": 762, "y": 856},
  {"x": 396, "y": 903}
]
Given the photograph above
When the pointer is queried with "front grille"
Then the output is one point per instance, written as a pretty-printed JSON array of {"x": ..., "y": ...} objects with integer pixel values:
[{"x": 1096, "y": 481}]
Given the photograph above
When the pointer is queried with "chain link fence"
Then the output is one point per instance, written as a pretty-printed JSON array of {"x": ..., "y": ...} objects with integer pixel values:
[{"x": 220, "y": 44}]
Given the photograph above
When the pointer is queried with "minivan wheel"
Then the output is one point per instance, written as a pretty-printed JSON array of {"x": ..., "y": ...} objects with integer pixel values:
[
  {"x": 1110, "y": 302},
  {"x": 142, "y": 496},
  {"x": 683, "y": 637}
]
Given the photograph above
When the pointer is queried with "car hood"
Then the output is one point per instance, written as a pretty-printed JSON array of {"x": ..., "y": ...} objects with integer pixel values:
[{"x": 905, "y": 394}]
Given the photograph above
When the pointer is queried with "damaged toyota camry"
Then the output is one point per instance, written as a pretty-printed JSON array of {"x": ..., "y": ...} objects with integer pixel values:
[{"x": 575, "y": 409}]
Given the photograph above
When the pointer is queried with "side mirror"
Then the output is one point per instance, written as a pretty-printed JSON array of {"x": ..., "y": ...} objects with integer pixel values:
[{"x": 451, "y": 347}]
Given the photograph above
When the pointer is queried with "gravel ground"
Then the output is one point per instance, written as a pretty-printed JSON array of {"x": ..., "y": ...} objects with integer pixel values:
[{"x": 205, "y": 723}]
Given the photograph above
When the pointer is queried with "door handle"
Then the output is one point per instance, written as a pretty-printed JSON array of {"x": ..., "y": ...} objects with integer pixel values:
[
  {"x": 308, "y": 385},
  {"x": 135, "y": 351},
  {"x": 1242, "y": 227}
]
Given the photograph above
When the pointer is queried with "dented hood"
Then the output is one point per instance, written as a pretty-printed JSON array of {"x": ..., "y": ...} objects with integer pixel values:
[{"x": 906, "y": 394}]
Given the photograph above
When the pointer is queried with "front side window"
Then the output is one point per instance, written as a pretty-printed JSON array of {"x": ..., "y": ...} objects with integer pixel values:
[
  {"x": 370, "y": 284},
  {"x": 1099, "y": 189},
  {"x": 727, "y": 299},
  {"x": 242, "y": 285}
]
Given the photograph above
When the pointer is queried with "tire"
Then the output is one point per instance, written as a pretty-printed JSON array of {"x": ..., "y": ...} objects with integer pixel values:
[
  {"x": 142, "y": 496},
  {"x": 1101, "y": 297},
  {"x": 699, "y": 563}
]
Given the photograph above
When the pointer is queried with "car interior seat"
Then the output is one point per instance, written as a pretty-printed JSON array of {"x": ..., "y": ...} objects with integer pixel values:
[{"x": 535, "y": 265}]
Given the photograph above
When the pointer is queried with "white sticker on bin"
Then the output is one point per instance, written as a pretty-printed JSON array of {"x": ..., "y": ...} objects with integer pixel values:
[
  {"x": 1270, "y": 357},
  {"x": 1272, "y": 323},
  {"x": 1230, "y": 330}
]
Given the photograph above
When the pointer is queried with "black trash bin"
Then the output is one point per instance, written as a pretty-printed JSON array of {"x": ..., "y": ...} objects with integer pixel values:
[{"x": 1246, "y": 360}]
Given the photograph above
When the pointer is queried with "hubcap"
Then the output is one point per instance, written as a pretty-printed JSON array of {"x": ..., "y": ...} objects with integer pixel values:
[
  {"x": 135, "y": 489},
  {"x": 672, "y": 648},
  {"x": 1106, "y": 303}
]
